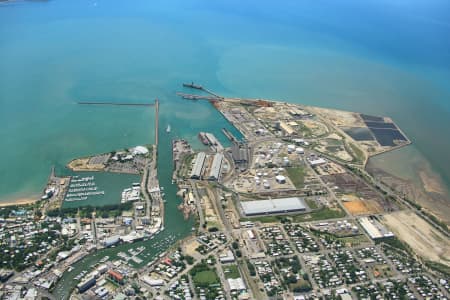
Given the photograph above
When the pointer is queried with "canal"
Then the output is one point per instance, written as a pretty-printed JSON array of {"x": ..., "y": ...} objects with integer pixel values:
[{"x": 175, "y": 227}]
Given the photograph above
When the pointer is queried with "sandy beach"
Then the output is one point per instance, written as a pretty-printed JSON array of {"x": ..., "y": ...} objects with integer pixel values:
[{"x": 20, "y": 201}]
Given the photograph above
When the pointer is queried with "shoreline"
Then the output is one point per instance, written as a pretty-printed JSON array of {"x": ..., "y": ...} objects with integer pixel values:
[{"x": 19, "y": 201}]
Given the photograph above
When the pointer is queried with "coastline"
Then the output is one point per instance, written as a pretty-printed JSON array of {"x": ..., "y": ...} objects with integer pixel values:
[
  {"x": 19, "y": 201},
  {"x": 408, "y": 172}
]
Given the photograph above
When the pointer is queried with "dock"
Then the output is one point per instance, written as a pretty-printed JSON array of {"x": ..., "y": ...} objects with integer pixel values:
[
  {"x": 199, "y": 97},
  {"x": 114, "y": 103},
  {"x": 201, "y": 88},
  {"x": 229, "y": 135},
  {"x": 156, "y": 122}
]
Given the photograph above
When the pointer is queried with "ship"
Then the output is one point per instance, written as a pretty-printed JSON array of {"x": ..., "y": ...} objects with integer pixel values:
[
  {"x": 193, "y": 86},
  {"x": 203, "y": 138},
  {"x": 168, "y": 128}
]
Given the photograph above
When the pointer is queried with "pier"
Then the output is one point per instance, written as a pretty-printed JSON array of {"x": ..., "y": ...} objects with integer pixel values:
[
  {"x": 201, "y": 88},
  {"x": 156, "y": 122},
  {"x": 229, "y": 135},
  {"x": 114, "y": 103},
  {"x": 199, "y": 97}
]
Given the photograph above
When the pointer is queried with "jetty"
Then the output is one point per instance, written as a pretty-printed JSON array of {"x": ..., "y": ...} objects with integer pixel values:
[
  {"x": 199, "y": 97},
  {"x": 201, "y": 88},
  {"x": 114, "y": 103},
  {"x": 229, "y": 135}
]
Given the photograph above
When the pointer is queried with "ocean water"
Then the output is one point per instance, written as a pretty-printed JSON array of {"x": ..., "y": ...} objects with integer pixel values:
[{"x": 377, "y": 57}]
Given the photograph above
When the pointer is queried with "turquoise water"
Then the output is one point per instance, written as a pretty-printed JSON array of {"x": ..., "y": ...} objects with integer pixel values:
[
  {"x": 378, "y": 57},
  {"x": 111, "y": 183}
]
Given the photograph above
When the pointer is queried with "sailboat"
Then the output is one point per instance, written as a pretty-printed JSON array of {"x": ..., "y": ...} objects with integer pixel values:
[{"x": 168, "y": 128}]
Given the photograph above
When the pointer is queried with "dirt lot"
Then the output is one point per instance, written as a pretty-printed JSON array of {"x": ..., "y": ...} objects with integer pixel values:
[
  {"x": 189, "y": 248},
  {"x": 360, "y": 207},
  {"x": 420, "y": 236}
]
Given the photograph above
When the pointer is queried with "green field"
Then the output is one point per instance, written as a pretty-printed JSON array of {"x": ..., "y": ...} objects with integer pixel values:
[
  {"x": 297, "y": 176},
  {"x": 205, "y": 278},
  {"x": 321, "y": 214},
  {"x": 231, "y": 272}
]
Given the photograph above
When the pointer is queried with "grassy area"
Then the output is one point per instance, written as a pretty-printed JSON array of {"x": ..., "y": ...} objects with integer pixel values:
[
  {"x": 205, "y": 278},
  {"x": 264, "y": 219},
  {"x": 301, "y": 286},
  {"x": 358, "y": 154},
  {"x": 441, "y": 268},
  {"x": 297, "y": 176},
  {"x": 394, "y": 242},
  {"x": 183, "y": 171},
  {"x": 355, "y": 241},
  {"x": 311, "y": 203},
  {"x": 231, "y": 272},
  {"x": 321, "y": 214}
]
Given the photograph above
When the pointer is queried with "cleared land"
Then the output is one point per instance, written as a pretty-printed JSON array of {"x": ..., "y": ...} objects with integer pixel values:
[
  {"x": 356, "y": 206},
  {"x": 420, "y": 236}
]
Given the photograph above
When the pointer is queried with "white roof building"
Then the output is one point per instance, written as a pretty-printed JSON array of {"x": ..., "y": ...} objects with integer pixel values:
[
  {"x": 139, "y": 150},
  {"x": 198, "y": 165},
  {"x": 216, "y": 166},
  {"x": 236, "y": 284},
  {"x": 273, "y": 206}
]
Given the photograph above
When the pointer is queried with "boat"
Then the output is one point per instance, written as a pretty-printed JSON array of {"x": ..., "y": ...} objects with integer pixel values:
[
  {"x": 168, "y": 128},
  {"x": 203, "y": 138}
]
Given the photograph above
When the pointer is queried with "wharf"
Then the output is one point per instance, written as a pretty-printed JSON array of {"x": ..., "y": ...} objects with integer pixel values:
[
  {"x": 114, "y": 103},
  {"x": 229, "y": 135},
  {"x": 199, "y": 97},
  {"x": 201, "y": 88}
]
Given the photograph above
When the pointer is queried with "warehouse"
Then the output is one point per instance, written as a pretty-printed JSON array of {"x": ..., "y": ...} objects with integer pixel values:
[
  {"x": 273, "y": 206},
  {"x": 216, "y": 166},
  {"x": 198, "y": 165},
  {"x": 374, "y": 229}
]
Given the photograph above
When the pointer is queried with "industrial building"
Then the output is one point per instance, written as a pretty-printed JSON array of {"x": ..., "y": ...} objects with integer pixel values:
[
  {"x": 285, "y": 128},
  {"x": 198, "y": 165},
  {"x": 87, "y": 284},
  {"x": 374, "y": 229},
  {"x": 273, "y": 206},
  {"x": 239, "y": 152},
  {"x": 214, "y": 173},
  {"x": 236, "y": 284}
]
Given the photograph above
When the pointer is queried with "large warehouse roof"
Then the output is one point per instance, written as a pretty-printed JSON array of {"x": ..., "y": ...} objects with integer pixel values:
[
  {"x": 198, "y": 165},
  {"x": 273, "y": 206}
]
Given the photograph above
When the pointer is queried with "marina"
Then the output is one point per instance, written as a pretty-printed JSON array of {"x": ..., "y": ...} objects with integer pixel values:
[
  {"x": 96, "y": 189},
  {"x": 81, "y": 188}
]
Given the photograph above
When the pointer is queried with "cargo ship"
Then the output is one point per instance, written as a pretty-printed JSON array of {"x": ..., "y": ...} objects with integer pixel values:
[{"x": 203, "y": 138}]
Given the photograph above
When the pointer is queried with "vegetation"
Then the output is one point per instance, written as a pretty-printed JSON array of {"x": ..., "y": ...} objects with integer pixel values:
[
  {"x": 297, "y": 176},
  {"x": 321, "y": 214},
  {"x": 106, "y": 211},
  {"x": 251, "y": 268},
  {"x": 231, "y": 271},
  {"x": 394, "y": 242},
  {"x": 358, "y": 154},
  {"x": 205, "y": 277},
  {"x": 441, "y": 268}
]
